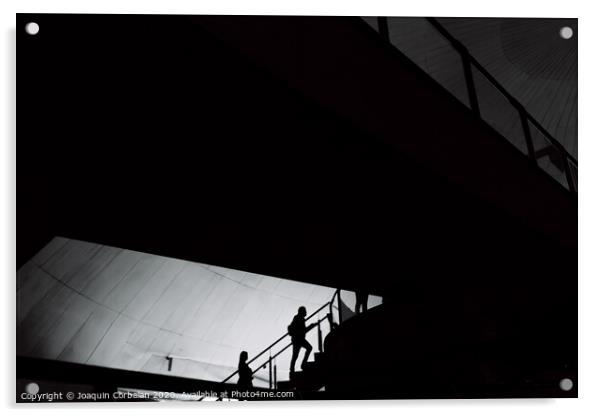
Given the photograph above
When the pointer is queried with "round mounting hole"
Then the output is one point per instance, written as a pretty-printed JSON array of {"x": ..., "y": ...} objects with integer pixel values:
[
  {"x": 566, "y": 384},
  {"x": 32, "y": 28},
  {"x": 32, "y": 388},
  {"x": 566, "y": 32}
]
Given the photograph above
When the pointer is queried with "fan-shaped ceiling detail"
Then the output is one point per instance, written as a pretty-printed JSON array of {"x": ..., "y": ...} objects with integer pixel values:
[
  {"x": 537, "y": 47},
  {"x": 534, "y": 60}
]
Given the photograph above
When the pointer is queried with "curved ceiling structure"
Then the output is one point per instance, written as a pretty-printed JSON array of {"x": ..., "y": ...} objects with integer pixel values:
[
  {"x": 534, "y": 61},
  {"x": 99, "y": 305}
]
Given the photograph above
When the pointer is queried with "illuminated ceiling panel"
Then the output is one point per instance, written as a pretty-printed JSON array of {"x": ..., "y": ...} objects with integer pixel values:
[{"x": 99, "y": 305}]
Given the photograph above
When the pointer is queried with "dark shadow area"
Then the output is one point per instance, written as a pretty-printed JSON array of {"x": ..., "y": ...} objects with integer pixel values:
[{"x": 165, "y": 136}]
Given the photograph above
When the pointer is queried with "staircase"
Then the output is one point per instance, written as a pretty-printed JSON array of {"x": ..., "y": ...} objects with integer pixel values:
[{"x": 311, "y": 378}]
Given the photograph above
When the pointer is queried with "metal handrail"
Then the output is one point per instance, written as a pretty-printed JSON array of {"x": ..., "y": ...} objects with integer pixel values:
[
  {"x": 463, "y": 50},
  {"x": 470, "y": 61},
  {"x": 272, "y": 357},
  {"x": 329, "y": 303},
  {"x": 337, "y": 292}
]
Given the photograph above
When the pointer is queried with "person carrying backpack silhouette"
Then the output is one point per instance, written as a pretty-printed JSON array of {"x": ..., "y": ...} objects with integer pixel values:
[{"x": 297, "y": 331}]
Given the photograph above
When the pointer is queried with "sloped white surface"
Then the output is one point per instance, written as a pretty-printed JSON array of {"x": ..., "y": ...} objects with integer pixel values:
[{"x": 93, "y": 304}]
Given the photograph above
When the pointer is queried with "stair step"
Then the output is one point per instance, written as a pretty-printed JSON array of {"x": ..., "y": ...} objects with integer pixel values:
[
  {"x": 285, "y": 385},
  {"x": 310, "y": 379},
  {"x": 301, "y": 383},
  {"x": 310, "y": 366},
  {"x": 295, "y": 375}
]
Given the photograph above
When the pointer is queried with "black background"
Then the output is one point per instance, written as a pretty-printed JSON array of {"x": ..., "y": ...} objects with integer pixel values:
[{"x": 148, "y": 133}]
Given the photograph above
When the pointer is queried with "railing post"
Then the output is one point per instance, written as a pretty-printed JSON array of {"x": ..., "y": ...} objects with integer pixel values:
[
  {"x": 330, "y": 324},
  {"x": 339, "y": 305},
  {"x": 470, "y": 86},
  {"x": 567, "y": 172},
  {"x": 383, "y": 27},
  {"x": 270, "y": 372},
  {"x": 275, "y": 376},
  {"x": 319, "y": 337},
  {"x": 527, "y": 132}
]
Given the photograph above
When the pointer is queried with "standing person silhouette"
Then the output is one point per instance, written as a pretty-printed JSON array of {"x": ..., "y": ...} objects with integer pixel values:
[
  {"x": 297, "y": 331},
  {"x": 245, "y": 374},
  {"x": 361, "y": 301}
]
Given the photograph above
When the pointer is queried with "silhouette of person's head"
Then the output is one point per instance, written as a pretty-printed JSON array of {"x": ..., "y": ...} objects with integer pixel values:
[
  {"x": 302, "y": 311},
  {"x": 243, "y": 356}
]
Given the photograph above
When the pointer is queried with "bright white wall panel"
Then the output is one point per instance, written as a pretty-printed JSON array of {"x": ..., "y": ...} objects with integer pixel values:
[{"x": 93, "y": 304}]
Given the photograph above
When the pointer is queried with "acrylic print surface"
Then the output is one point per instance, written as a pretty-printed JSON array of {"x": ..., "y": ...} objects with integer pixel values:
[{"x": 294, "y": 207}]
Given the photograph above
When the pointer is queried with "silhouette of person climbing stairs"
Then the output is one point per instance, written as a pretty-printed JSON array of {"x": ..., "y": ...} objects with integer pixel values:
[
  {"x": 297, "y": 331},
  {"x": 245, "y": 374}
]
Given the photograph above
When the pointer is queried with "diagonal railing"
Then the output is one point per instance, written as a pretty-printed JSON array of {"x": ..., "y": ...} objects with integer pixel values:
[
  {"x": 536, "y": 142},
  {"x": 336, "y": 298}
]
